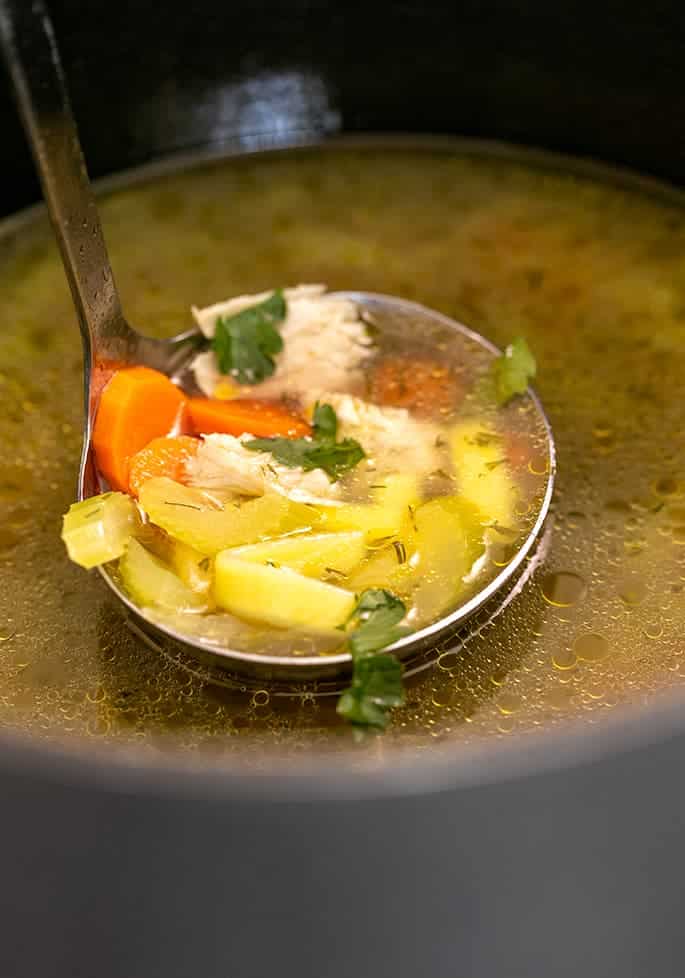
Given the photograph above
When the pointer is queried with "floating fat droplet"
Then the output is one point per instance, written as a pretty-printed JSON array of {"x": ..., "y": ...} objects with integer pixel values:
[
  {"x": 633, "y": 591},
  {"x": 563, "y": 589},
  {"x": 591, "y": 647}
]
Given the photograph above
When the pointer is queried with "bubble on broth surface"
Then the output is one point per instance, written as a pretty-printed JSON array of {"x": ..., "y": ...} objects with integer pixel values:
[{"x": 592, "y": 276}]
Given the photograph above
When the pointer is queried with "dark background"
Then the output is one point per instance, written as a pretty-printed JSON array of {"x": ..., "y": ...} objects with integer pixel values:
[{"x": 602, "y": 79}]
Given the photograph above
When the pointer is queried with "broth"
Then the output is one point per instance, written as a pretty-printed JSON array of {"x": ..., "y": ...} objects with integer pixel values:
[{"x": 593, "y": 276}]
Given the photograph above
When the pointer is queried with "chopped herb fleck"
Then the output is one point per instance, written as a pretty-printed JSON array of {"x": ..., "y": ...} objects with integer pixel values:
[
  {"x": 204, "y": 564},
  {"x": 400, "y": 552}
]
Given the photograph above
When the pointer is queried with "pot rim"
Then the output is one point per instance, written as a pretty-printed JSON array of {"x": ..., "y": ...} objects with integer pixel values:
[{"x": 324, "y": 775}]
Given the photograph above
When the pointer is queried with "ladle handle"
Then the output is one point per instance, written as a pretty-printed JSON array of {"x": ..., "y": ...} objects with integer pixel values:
[{"x": 31, "y": 53}]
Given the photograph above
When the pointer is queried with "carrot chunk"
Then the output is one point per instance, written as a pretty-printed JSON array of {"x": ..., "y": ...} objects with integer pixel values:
[
  {"x": 262, "y": 418},
  {"x": 137, "y": 405},
  {"x": 425, "y": 387},
  {"x": 162, "y": 457}
]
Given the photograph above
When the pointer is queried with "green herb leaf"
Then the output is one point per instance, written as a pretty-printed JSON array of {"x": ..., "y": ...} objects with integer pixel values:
[
  {"x": 321, "y": 451},
  {"x": 377, "y": 677},
  {"x": 513, "y": 370},
  {"x": 335, "y": 458},
  {"x": 325, "y": 422},
  {"x": 246, "y": 343},
  {"x": 376, "y": 688}
]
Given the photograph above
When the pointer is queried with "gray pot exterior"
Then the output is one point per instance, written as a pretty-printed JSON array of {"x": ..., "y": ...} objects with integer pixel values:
[{"x": 574, "y": 870}]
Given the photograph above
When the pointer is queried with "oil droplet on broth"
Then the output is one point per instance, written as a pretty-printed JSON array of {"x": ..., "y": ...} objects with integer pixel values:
[
  {"x": 632, "y": 591},
  {"x": 563, "y": 589},
  {"x": 591, "y": 647},
  {"x": 564, "y": 659},
  {"x": 666, "y": 486},
  {"x": 653, "y": 629}
]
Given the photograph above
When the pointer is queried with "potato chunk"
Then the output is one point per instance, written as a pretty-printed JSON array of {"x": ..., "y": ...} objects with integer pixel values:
[
  {"x": 312, "y": 555},
  {"x": 380, "y": 518},
  {"x": 189, "y": 515},
  {"x": 483, "y": 478},
  {"x": 279, "y": 596}
]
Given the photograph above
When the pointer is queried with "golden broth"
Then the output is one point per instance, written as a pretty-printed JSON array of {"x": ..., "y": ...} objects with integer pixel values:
[{"x": 593, "y": 276}]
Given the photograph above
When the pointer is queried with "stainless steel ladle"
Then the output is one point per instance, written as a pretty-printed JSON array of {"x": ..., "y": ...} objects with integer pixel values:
[{"x": 31, "y": 52}]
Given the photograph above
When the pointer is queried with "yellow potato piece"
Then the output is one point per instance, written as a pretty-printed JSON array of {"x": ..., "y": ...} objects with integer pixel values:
[
  {"x": 380, "y": 518},
  {"x": 483, "y": 476},
  {"x": 427, "y": 560},
  {"x": 151, "y": 583},
  {"x": 442, "y": 557},
  {"x": 189, "y": 515},
  {"x": 312, "y": 555},
  {"x": 279, "y": 596}
]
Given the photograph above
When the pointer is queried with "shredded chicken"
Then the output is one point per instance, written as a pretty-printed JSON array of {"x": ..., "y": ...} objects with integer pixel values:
[
  {"x": 324, "y": 344},
  {"x": 403, "y": 442},
  {"x": 223, "y": 462}
]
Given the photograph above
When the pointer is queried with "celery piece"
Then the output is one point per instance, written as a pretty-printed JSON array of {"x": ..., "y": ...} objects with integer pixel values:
[
  {"x": 151, "y": 583},
  {"x": 97, "y": 530}
]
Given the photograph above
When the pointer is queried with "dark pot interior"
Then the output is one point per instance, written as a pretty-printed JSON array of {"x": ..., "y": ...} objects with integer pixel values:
[{"x": 560, "y": 859}]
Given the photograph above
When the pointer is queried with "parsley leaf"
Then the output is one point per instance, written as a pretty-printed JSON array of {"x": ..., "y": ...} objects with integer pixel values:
[
  {"x": 246, "y": 343},
  {"x": 377, "y": 676},
  {"x": 321, "y": 451},
  {"x": 513, "y": 370},
  {"x": 325, "y": 422},
  {"x": 376, "y": 687}
]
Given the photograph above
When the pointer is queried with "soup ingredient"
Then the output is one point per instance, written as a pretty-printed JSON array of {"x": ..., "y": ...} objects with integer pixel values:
[
  {"x": 377, "y": 676},
  {"x": 382, "y": 518},
  {"x": 314, "y": 555},
  {"x": 393, "y": 439},
  {"x": 325, "y": 344},
  {"x": 513, "y": 370},
  {"x": 279, "y": 596},
  {"x": 478, "y": 454},
  {"x": 137, "y": 405},
  {"x": 264, "y": 419},
  {"x": 150, "y": 582},
  {"x": 191, "y": 516},
  {"x": 321, "y": 451},
  {"x": 97, "y": 530},
  {"x": 224, "y": 462},
  {"x": 425, "y": 387},
  {"x": 192, "y": 566},
  {"x": 429, "y": 558},
  {"x": 246, "y": 342},
  {"x": 161, "y": 457}
]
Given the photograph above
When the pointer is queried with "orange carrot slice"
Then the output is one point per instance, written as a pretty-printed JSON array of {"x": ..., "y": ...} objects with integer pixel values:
[
  {"x": 137, "y": 405},
  {"x": 264, "y": 419},
  {"x": 162, "y": 457}
]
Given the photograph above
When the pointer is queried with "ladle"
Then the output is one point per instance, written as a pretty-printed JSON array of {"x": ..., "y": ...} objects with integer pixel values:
[{"x": 33, "y": 59}]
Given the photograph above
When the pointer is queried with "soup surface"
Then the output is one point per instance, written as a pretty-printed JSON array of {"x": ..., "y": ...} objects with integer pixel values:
[{"x": 591, "y": 274}]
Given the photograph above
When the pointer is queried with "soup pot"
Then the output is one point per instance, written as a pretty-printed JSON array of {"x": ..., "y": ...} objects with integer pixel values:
[{"x": 558, "y": 856}]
